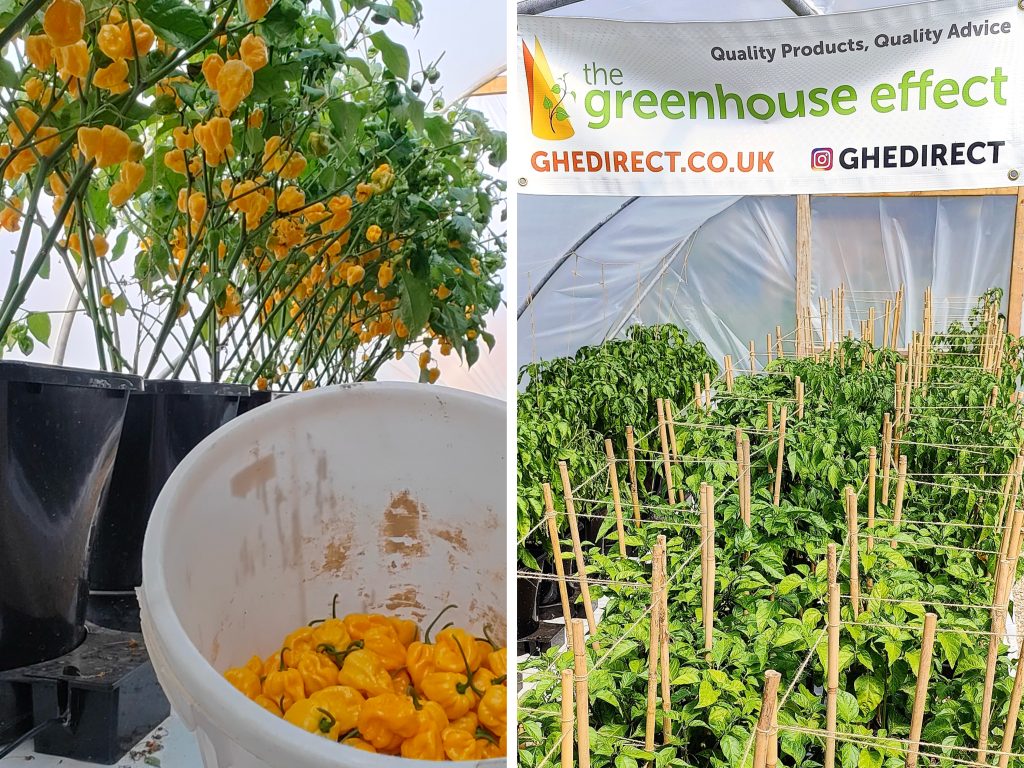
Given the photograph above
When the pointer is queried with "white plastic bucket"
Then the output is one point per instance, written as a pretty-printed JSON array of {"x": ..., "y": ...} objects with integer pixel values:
[{"x": 392, "y": 495}]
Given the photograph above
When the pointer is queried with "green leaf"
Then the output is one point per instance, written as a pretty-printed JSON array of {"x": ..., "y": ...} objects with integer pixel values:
[
  {"x": 707, "y": 694},
  {"x": 120, "y": 305},
  {"x": 8, "y": 76},
  {"x": 395, "y": 57},
  {"x": 561, "y": 114},
  {"x": 846, "y": 706},
  {"x": 869, "y": 693},
  {"x": 281, "y": 24},
  {"x": 415, "y": 303},
  {"x": 273, "y": 79},
  {"x": 556, "y": 88},
  {"x": 869, "y": 758},
  {"x": 346, "y": 118},
  {"x": 686, "y": 676},
  {"x": 438, "y": 130},
  {"x": 39, "y": 326},
  {"x": 179, "y": 22},
  {"x": 548, "y": 104},
  {"x": 119, "y": 245}
]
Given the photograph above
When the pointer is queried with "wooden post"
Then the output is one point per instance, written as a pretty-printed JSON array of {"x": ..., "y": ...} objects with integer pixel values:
[
  {"x": 998, "y": 614},
  {"x": 1015, "y": 294},
  {"x": 634, "y": 492},
  {"x": 746, "y": 478},
  {"x": 885, "y": 323},
  {"x": 582, "y": 694},
  {"x": 666, "y": 463},
  {"x": 1010, "y": 730},
  {"x": 779, "y": 352},
  {"x": 738, "y": 435},
  {"x": 886, "y": 456},
  {"x": 799, "y": 386},
  {"x": 924, "y": 669},
  {"x": 704, "y": 560},
  {"x": 771, "y": 416},
  {"x": 769, "y": 708},
  {"x": 709, "y": 617},
  {"x": 901, "y": 482},
  {"x": 832, "y": 659},
  {"x": 823, "y": 314},
  {"x": 779, "y": 459},
  {"x": 753, "y": 359},
  {"x": 613, "y": 480},
  {"x": 577, "y": 548},
  {"x": 654, "y": 647},
  {"x": 854, "y": 532},
  {"x": 666, "y": 690},
  {"x": 728, "y": 373},
  {"x": 698, "y": 396},
  {"x": 707, "y": 389},
  {"x": 670, "y": 425},
  {"x": 567, "y": 718},
  {"x": 556, "y": 553},
  {"x": 872, "y": 470}
]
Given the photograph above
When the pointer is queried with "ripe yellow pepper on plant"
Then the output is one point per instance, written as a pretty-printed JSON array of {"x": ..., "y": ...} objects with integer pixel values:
[{"x": 64, "y": 22}]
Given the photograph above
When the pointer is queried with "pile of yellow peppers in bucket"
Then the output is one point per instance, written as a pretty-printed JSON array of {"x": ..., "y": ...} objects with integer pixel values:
[{"x": 367, "y": 681}]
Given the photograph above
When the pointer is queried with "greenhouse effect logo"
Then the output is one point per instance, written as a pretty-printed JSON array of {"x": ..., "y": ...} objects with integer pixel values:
[{"x": 549, "y": 118}]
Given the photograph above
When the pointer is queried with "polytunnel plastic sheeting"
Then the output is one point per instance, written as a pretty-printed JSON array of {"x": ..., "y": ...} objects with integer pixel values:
[
  {"x": 961, "y": 246},
  {"x": 733, "y": 282},
  {"x": 601, "y": 283}
]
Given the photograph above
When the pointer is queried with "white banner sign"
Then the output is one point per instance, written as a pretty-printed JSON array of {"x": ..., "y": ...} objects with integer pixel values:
[{"x": 919, "y": 97}]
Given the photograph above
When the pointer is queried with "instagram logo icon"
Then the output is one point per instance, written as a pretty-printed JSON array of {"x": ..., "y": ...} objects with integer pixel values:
[{"x": 821, "y": 159}]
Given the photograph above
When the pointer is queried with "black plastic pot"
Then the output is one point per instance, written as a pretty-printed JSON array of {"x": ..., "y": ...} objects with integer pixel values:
[
  {"x": 254, "y": 399},
  {"x": 528, "y": 619},
  {"x": 59, "y": 429},
  {"x": 162, "y": 424}
]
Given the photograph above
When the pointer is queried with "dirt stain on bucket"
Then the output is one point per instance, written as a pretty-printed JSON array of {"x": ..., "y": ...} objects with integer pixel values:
[
  {"x": 400, "y": 527},
  {"x": 406, "y": 598},
  {"x": 336, "y": 554},
  {"x": 252, "y": 477}
]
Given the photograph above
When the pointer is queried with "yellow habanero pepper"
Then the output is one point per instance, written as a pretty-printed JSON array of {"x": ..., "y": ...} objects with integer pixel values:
[
  {"x": 317, "y": 672},
  {"x": 358, "y": 624},
  {"x": 387, "y": 720},
  {"x": 256, "y": 665},
  {"x": 284, "y": 685},
  {"x": 364, "y": 671},
  {"x": 401, "y": 681},
  {"x": 492, "y": 709},
  {"x": 452, "y": 691},
  {"x": 456, "y": 651},
  {"x": 384, "y": 642},
  {"x": 468, "y": 722},
  {"x": 333, "y": 633},
  {"x": 357, "y": 743},
  {"x": 460, "y": 745},
  {"x": 497, "y": 662},
  {"x": 342, "y": 702},
  {"x": 426, "y": 744},
  {"x": 295, "y": 644},
  {"x": 269, "y": 704},
  {"x": 312, "y": 717},
  {"x": 419, "y": 660},
  {"x": 406, "y": 630},
  {"x": 245, "y": 680}
]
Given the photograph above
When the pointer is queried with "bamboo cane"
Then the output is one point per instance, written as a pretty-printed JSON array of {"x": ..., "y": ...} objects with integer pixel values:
[
  {"x": 872, "y": 470},
  {"x": 704, "y": 560},
  {"x": 885, "y": 323},
  {"x": 666, "y": 463},
  {"x": 709, "y": 617},
  {"x": 835, "y": 316},
  {"x": 567, "y": 718},
  {"x": 996, "y": 630},
  {"x": 823, "y": 315},
  {"x": 854, "y": 532},
  {"x": 634, "y": 491},
  {"x": 654, "y": 647},
  {"x": 799, "y": 397},
  {"x": 746, "y": 479},
  {"x": 886, "y": 456},
  {"x": 577, "y": 548},
  {"x": 771, "y": 416},
  {"x": 924, "y": 669},
  {"x": 698, "y": 396},
  {"x": 556, "y": 552},
  {"x": 769, "y": 708},
  {"x": 728, "y": 373},
  {"x": 779, "y": 459},
  {"x": 707, "y": 389},
  {"x": 670, "y": 426},
  {"x": 872, "y": 320},
  {"x": 582, "y": 694},
  {"x": 613, "y": 480},
  {"x": 832, "y": 659},
  {"x": 779, "y": 353},
  {"x": 753, "y": 359},
  {"x": 901, "y": 483},
  {"x": 666, "y": 691}
]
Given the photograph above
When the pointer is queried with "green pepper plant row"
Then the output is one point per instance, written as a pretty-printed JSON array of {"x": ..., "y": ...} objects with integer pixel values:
[{"x": 771, "y": 576}]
